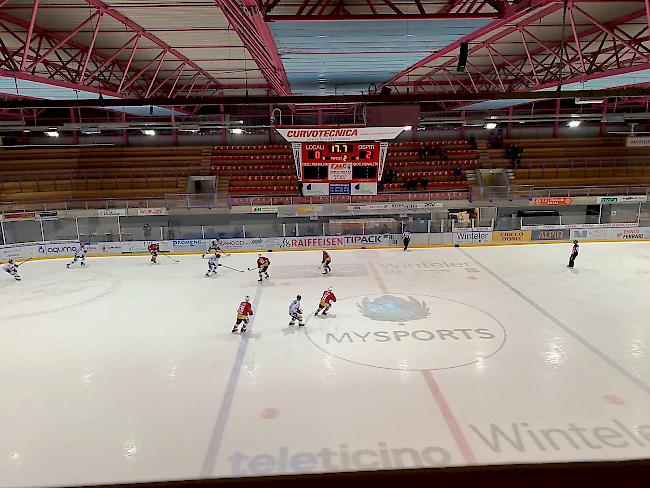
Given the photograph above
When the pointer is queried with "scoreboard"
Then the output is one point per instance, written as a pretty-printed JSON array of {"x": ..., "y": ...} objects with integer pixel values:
[
  {"x": 340, "y": 152},
  {"x": 340, "y": 168}
]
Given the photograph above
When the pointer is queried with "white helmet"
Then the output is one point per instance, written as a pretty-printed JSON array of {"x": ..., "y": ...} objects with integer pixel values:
[
  {"x": 247, "y": 298},
  {"x": 329, "y": 288}
]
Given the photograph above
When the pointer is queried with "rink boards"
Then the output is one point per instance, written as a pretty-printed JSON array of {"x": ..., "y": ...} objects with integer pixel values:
[{"x": 471, "y": 236}]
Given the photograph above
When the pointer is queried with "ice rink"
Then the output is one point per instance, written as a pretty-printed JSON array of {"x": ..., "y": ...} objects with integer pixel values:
[{"x": 127, "y": 371}]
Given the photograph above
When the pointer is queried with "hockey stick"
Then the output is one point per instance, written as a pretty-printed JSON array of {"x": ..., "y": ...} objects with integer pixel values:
[
  {"x": 234, "y": 269},
  {"x": 168, "y": 256},
  {"x": 25, "y": 261}
]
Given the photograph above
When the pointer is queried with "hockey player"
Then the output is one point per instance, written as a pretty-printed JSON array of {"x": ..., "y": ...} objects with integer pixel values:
[
  {"x": 263, "y": 264},
  {"x": 326, "y": 262},
  {"x": 213, "y": 262},
  {"x": 406, "y": 236},
  {"x": 12, "y": 269},
  {"x": 326, "y": 301},
  {"x": 243, "y": 313},
  {"x": 215, "y": 246},
  {"x": 574, "y": 254},
  {"x": 79, "y": 255},
  {"x": 154, "y": 249},
  {"x": 295, "y": 312}
]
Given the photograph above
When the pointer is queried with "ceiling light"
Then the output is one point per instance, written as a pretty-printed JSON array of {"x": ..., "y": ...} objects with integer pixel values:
[
  {"x": 52, "y": 133},
  {"x": 237, "y": 131},
  {"x": 589, "y": 101},
  {"x": 91, "y": 131},
  {"x": 149, "y": 132},
  {"x": 490, "y": 125},
  {"x": 574, "y": 123},
  {"x": 408, "y": 127}
]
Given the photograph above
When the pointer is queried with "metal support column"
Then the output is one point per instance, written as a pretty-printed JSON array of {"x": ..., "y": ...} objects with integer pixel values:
[{"x": 600, "y": 213}]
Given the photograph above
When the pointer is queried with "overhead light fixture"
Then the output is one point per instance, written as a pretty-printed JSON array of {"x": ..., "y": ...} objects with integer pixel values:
[
  {"x": 408, "y": 127},
  {"x": 52, "y": 133},
  {"x": 490, "y": 125},
  {"x": 149, "y": 132},
  {"x": 236, "y": 131},
  {"x": 90, "y": 131},
  {"x": 589, "y": 101},
  {"x": 574, "y": 123}
]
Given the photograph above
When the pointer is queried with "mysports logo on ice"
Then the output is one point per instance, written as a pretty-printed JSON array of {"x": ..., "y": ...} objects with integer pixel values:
[{"x": 407, "y": 332}]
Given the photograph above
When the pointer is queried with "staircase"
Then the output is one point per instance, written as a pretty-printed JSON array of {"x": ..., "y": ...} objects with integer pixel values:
[{"x": 483, "y": 153}]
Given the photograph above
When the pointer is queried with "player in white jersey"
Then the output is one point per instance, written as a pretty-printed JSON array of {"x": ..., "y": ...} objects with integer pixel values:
[
  {"x": 213, "y": 262},
  {"x": 295, "y": 312},
  {"x": 406, "y": 237},
  {"x": 215, "y": 245},
  {"x": 79, "y": 255},
  {"x": 12, "y": 269}
]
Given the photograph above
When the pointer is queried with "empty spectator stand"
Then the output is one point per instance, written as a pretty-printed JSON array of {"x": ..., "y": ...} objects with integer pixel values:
[
  {"x": 548, "y": 162},
  {"x": 70, "y": 173},
  {"x": 270, "y": 169},
  {"x": 254, "y": 170}
]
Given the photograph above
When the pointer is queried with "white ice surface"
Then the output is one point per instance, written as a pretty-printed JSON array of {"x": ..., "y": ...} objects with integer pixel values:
[{"x": 127, "y": 371}]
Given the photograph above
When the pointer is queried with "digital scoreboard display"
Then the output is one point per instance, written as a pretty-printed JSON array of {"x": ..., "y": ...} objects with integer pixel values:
[
  {"x": 339, "y": 168},
  {"x": 340, "y": 152}
]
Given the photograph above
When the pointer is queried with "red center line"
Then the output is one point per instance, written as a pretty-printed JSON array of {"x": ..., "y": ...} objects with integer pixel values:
[{"x": 436, "y": 392}]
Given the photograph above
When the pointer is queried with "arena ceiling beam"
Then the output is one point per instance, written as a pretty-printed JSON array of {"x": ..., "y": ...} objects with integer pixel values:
[
  {"x": 511, "y": 14},
  {"x": 544, "y": 64},
  {"x": 329, "y": 99},
  {"x": 169, "y": 51},
  {"x": 248, "y": 22},
  {"x": 374, "y": 10},
  {"x": 582, "y": 55},
  {"x": 60, "y": 57}
]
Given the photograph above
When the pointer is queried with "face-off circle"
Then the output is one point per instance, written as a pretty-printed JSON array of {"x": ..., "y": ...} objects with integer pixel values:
[
  {"x": 408, "y": 332},
  {"x": 50, "y": 294}
]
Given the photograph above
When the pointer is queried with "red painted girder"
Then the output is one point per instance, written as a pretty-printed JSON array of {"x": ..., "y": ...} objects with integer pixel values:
[
  {"x": 512, "y": 14},
  {"x": 545, "y": 47},
  {"x": 149, "y": 36},
  {"x": 248, "y": 23},
  {"x": 370, "y": 17},
  {"x": 30, "y": 31},
  {"x": 550, "y": 48},
  {"x": 63, "y": 44}
]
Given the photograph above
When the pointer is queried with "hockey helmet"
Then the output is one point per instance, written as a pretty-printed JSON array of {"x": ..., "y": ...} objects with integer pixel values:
[
  {"x": 247, "y": 298},
  {"x": 298, "y": 297},
  {"x": 11, "y": 261}
]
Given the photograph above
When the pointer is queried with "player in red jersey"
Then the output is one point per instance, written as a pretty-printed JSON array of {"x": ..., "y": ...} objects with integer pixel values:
[
  {"x": 326, "y": 301},
  {"x": 243, "y": 313},
  {"x": 154, "y": 249},
  {"x": 326, "y": 262},
  {"x": 263, "y": 264}
]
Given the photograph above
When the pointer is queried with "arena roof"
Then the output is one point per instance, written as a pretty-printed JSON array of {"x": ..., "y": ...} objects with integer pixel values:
[{"x": 153, "y": 49}]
